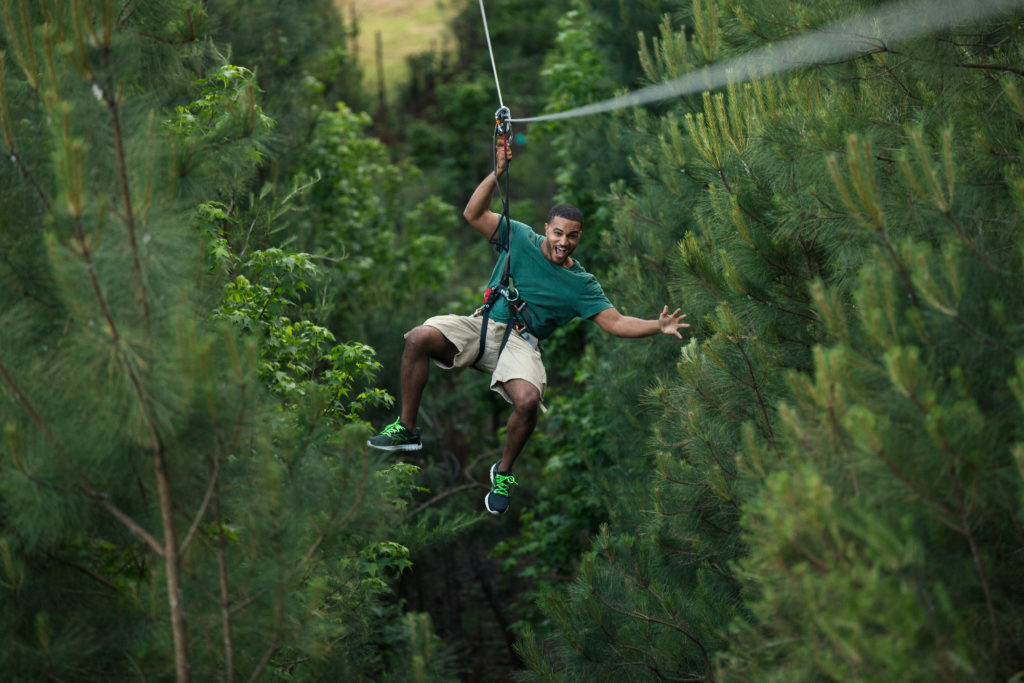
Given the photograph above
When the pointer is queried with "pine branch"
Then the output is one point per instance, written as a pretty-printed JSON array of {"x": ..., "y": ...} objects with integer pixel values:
[
  {"x": 351, "y": 511},
  {"x": 645, "y": 585},
  {"x": 720, "y": 405},
  {"x": 696, "y": 558},
  {"x": 126, "y": 12},
  {"x": 651, "y": 620},
  {"x": 120, "y": 516},
  {"x": 659, "y": 506},
  {"x": 755, "y": 386},
  {"x": 16, "y": 282},
  {"x": 275, "y": 641},
  {"x": 888, "y": 70},
  {"x": 993, "y": 67},
  {"x": 27, "y": 406},
  {"x": 985, "y": 339},
  {"x": 1006, "y": 284},
  {"x": 673, "y": 480},
  {"x": 900, "y": 269},
  {"x": 85, "y": 570},
  {"x": 946, "y": 515},
  {"x": 26, "y": 57},
  {"x": 86, "y": 486},
  {"x": 682, "y": 413},
  {"x": 979, "y": 566},
  {"x": 30, "y": 179},
  {"x": 12, "y": 153},
  {"x": 170, "y": 552},
  {"x": 128, "y": 217},
  {"x": 201, "y": 512},
  {"x": 644, "y": 661}
]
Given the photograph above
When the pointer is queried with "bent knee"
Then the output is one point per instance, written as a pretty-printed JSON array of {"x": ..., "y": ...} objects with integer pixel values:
[
  {"x": 430, "y": 341},
  {"x": 525, "y": 398},
  {"x": 423, "y": 335}
]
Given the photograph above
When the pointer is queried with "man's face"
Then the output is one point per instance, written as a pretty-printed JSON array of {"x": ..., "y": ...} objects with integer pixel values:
[{"x": 561, "y": 237}]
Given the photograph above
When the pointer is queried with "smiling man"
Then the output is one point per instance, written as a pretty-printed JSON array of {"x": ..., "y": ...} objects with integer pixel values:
[{"x": 548, "y": 288}]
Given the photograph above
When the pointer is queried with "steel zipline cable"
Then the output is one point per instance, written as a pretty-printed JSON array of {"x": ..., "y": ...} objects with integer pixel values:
[
  {"x": 494, "y": 66},
  {"x": 863, "y": 33}
]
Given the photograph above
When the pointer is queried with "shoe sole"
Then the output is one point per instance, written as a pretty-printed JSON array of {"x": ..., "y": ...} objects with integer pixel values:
[{"x": 402, "y": 447}]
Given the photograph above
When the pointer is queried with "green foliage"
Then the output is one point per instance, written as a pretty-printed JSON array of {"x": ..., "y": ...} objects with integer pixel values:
[
  {"x": 301, "y": 52},
  {"x": 299, "y": 359},
  {"x": 832, "y": 472},
  {"x": 185, "y": 487},
  {"x": 357, "y": 213},
  {"x": 227, "y": 100},
  {"x": 447, "y": 112},
  {"x": 585, "y": 65}
]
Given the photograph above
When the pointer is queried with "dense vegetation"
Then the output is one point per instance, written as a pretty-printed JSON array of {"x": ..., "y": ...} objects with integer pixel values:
[{"x": 207, "y": 262}]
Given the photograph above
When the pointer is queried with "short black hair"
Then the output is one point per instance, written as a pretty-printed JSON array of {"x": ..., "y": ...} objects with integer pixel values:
[{"x": 566, "y": 211}]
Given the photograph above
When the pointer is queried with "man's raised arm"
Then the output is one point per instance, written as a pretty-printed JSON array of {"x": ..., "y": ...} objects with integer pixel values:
[{"x": 478, "y": 210}]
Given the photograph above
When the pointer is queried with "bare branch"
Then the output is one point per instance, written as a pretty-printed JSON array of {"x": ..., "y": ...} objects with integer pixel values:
[
  {"x": 201, "y": 512},
  {"x": 442, "y": 496}
]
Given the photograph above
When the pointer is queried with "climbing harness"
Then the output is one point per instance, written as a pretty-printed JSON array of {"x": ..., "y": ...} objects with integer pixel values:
[{"x": 519, "y": 316}]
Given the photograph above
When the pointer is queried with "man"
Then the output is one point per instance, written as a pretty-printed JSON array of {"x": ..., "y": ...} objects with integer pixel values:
[{"x": 556, "y": 289}]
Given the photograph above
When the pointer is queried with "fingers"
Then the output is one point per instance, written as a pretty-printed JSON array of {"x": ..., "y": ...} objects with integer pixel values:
[
  {"x": 503, "y": 145},
  {"x": 674, "y": 320},
  {"x": 674, "y": 315}
]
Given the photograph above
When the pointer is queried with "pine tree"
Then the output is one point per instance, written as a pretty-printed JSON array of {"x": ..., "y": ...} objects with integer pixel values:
[
  {"x": 183, "y": 482},
  {"x": 836, "y": 482}
]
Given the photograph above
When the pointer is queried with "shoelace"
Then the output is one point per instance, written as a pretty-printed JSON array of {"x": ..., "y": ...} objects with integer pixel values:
[
  {"x": 502, "y": 482},
  {"x": 395, "y": 426}
]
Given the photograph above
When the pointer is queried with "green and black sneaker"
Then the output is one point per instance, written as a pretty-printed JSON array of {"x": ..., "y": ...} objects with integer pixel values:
[
  {"x": 496, "y": 501},
  {"x": 395, "y": 437}
]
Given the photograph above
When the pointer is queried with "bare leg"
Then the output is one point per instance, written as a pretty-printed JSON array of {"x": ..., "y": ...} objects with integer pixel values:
[
  {"x": 525, "y": 405},
  {"x": 422, "y": 345}
]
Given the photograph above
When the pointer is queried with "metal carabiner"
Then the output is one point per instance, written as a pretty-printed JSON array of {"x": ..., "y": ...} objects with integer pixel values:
[{"x": 503, "y": 122}]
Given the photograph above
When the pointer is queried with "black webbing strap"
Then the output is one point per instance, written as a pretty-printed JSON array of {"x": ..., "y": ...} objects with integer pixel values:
[
  {"x": 519, "y": 317},
  {"x": 485, "y": 311}
]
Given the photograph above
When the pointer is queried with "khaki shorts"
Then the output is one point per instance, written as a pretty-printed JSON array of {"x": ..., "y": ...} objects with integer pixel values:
[{"x": 519, "y": 360}]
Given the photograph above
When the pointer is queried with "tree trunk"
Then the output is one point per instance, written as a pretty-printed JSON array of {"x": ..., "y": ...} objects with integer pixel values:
[{"x": 175, "y": 592}]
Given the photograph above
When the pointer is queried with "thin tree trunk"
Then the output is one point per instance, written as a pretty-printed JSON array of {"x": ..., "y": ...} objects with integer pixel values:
[
  {"x": 225, "y": 596},
  {"x": 172, "y": 562}
]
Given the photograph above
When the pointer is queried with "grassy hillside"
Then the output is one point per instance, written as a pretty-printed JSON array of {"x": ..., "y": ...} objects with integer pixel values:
[{"x": 407, "y": 27}]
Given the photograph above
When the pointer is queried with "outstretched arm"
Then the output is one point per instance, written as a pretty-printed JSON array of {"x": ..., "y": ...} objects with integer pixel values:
[
  {"x": 478, "y": 210},
  {"x": 613, "y": 322}
]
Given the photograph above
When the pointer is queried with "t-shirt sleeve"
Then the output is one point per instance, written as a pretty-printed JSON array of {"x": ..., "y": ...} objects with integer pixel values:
[
  {"x": 592, "y": 300},
  {"x": 500, "y": 237}
]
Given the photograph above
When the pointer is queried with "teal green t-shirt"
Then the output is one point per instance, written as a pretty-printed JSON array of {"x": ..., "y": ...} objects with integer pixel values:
[{"x": 554, "y": 295}]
